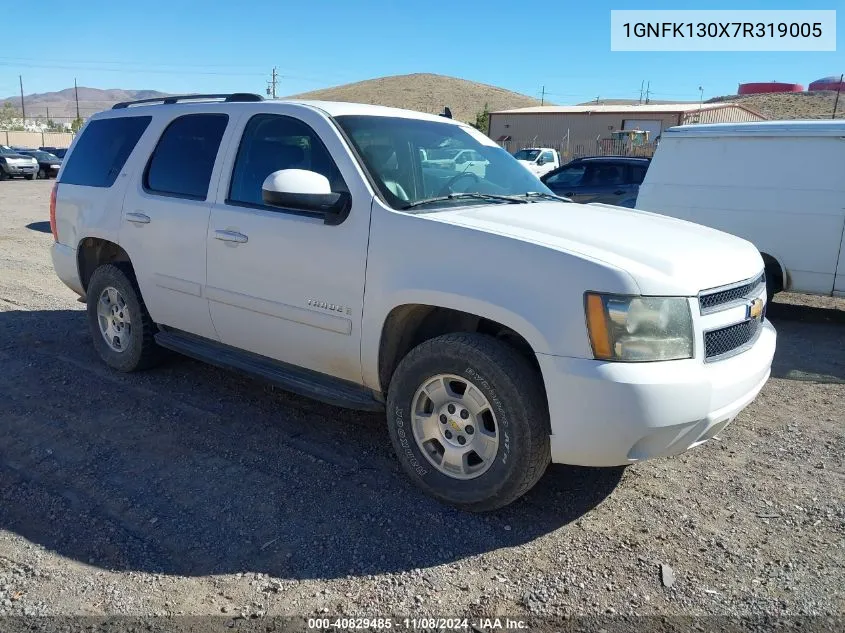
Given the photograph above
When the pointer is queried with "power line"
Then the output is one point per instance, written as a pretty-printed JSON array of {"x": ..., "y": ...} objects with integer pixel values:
[
  {"x": 128, "y": 63},
  {"x": 131, "y": 70}
]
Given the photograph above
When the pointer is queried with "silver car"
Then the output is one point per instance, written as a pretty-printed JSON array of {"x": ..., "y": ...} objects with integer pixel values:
[{"x": 13, "y": 164}]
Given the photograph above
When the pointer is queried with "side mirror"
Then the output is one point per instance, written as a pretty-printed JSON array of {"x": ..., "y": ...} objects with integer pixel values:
[
  {"x": 540, "y": 161},
  {"x": 305, "y": 190}
]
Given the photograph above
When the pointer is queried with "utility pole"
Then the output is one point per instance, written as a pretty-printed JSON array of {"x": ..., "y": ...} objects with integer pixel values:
[
  {"x": 543, "y": 96},
  {"x": 642, "y": 85},
  {"x": 647, "y": 91},
  {"x": 271, "y": 85},
  {"x": 23, "y": 109},
  {"x": 838, "y": 90},
  {"x": 76, "y": 96}
]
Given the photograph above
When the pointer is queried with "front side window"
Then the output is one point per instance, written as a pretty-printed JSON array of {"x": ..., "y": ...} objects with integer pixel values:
[
  {"x": 183, "y": 160},
  {"x": 568, "y": 176},
  {"x": 527, "y": 154},
  {"x": 272, "y": 142},
  {"x": 548, "y": 157},
  {"x": 390, "y": 150},
  {"x": 102, "y": 149}
]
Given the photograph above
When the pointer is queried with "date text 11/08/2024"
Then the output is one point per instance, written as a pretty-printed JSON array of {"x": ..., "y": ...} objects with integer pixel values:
[{"x": 423, "y": 623}]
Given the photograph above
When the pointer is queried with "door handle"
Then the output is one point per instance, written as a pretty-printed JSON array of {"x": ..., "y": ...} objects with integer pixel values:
[
  {"x": 618, "y": 193},
  {"x": 138, "y": 218},
  {"x": 230, "y": 236},
  {"x": 568, "y": 194}
]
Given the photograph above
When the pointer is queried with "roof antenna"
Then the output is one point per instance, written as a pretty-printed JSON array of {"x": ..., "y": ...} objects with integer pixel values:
[{"x": 446, "y": 112}]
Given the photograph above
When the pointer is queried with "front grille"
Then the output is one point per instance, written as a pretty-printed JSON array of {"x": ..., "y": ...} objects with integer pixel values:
[
  {"x": 730, "y": 340},
  {"x": 708, "y": 302}
]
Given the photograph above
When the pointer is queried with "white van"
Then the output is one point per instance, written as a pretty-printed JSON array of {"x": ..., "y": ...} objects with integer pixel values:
[{"x": 778, "y": 184}]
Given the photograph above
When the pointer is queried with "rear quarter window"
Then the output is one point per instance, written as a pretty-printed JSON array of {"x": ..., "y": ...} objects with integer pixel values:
[{"x": 101, "y": 152}]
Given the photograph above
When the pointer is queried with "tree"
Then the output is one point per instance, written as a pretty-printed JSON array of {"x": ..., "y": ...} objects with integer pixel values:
[
  {"x": 9, "y": 118},
  {"x": 76, "y": 125},
  {"x": 482, "y": 120}
]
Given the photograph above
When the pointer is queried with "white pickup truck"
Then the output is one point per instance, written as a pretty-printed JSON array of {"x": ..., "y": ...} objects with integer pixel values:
[
  {"x": 498, "y": 326},
  {"x": 538, "y": 160}
]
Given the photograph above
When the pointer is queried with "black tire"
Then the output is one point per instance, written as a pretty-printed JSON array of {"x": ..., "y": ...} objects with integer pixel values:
[
  {"x": 42, "y": 175},
  {"x": 773, "y": 282},
  {"x": 514, "y": 389},
  {"x": 3, "y": 175},
  {"x": 142, "y": 351},
  {"x": 30, "y": 176}
]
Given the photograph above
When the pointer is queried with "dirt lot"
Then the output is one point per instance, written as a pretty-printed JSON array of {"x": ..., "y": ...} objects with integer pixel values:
[{"x": 190, "y": 490}]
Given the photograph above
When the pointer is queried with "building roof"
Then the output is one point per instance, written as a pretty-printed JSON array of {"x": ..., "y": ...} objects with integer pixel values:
[
  {"x": 761, "y": 128},
  {"x": 613, "y": 109}
]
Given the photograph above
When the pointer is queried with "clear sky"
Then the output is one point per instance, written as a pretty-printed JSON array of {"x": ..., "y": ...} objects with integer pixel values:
[{"x": 208, "y": 46}]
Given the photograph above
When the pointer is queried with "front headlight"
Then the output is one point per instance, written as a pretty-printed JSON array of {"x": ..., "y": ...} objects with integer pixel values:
[{"x": 626, "y": 328}]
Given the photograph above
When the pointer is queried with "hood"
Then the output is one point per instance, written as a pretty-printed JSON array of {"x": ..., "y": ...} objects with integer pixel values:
[
  {"x": 665, "y": 256},
  {"x": 16, "y": 156}
]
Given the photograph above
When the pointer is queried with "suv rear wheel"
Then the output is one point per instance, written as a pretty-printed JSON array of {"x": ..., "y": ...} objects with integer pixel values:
[
  {"x": 468, "y": 421},
  {"x": 121, "y": 328}
]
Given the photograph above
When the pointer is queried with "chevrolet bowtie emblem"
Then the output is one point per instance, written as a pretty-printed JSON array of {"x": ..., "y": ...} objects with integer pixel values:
[{"x": 755, "y": 310}]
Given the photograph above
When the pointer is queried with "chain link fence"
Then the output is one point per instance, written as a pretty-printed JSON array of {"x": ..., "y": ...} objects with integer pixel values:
[{"x": 570, "y": 148}]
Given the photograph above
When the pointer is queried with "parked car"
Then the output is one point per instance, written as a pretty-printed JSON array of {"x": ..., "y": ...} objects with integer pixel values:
[
  {"x": 48, "y": 164},
  {"x": 13, "y": 164},
  {"x": 606, "y": 179},
  {"x": 777, "y": 184},
  {"x": 465, "y": 160},
  {"x": 538, "y": 160},
  {"x": 55, "y": 151},
  {"x": 498, "y": 326}
]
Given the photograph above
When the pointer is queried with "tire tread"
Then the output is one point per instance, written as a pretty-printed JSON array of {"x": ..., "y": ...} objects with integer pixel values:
[
  {"x": 525, "y": 378},
  {"x": 151, "y": 354}
]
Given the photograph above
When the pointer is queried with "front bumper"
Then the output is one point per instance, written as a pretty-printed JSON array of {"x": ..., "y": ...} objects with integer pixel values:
[
  {"x": 64, "y": 263},
  {"x": 611, "y": 414},
  {"x": 20, "y": 170}
]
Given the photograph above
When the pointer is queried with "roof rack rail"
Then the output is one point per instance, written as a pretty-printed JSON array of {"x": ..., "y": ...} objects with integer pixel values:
[{"x": 235, "y": 96}]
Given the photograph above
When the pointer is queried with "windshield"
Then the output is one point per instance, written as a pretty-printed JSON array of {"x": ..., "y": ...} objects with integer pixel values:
[
  {"x": 44, "y": 156},
  {"x": 393, "y": 148},
  {"x": 527, "y": 154}
]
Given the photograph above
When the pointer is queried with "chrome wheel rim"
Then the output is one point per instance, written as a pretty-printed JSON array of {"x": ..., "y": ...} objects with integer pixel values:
[
  {"x": 455, "y": 426},
  {"x": 114, "y": 319}
]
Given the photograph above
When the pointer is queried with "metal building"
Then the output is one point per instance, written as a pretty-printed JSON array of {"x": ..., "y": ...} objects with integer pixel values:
[{"x": 595, "y": 129}]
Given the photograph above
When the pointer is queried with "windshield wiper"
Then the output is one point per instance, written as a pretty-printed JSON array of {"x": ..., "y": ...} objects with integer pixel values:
[
  {"x": 468, "y": 195},
  {"x": 545, "y": 196}
]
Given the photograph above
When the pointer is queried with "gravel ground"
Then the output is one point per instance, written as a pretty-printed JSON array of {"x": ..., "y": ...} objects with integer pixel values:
[{"x": 190, "y": 490}]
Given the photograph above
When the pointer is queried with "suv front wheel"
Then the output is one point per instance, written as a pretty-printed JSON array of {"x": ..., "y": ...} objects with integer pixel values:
[
  {"x": 121, "y": 328},
  {"x": 468, "y": 420}
]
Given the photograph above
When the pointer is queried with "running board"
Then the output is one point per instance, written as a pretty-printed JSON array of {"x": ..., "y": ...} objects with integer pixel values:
[{"x": 303, "y": 382}]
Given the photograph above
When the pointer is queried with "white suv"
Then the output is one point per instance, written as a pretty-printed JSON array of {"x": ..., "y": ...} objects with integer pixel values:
[{"x": 499, "y": 326}]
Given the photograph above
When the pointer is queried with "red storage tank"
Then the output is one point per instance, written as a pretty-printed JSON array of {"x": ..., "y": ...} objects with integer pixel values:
[
  {"x": 828, "y": 83},
  {"x": 768, "y": 86}
]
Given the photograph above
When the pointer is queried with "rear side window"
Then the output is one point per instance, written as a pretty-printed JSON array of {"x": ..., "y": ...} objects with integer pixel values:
[
  {"x": 638, "y": 173},
  {"x": 102, "y": 150},
  {"x": 182, "y": 161}
]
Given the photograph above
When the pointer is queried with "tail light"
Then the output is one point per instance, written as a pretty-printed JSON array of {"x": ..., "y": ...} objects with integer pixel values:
[{"x": 53, "y": 212}]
